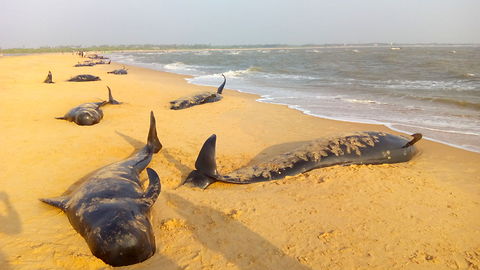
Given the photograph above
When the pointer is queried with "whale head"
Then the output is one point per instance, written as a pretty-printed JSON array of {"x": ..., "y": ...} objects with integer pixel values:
[
  {"x": 88, "y": 117},
  {"x": 121, "y": 234}
]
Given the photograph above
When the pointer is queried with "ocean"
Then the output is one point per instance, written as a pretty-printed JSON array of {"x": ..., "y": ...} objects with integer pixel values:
[{"x": 434, "y": 90}]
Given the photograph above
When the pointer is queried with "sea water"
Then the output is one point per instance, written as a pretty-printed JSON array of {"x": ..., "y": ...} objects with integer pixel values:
[{"x": 434, "y": 90}]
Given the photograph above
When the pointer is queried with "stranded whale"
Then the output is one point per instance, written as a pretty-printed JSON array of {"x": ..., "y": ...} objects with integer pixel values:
[
  {"x": 88, "y": 114},
  {"x": 197, "y": 99},
  {"x": 110, "y": 208},
  {"x": 122, "y": 71},
  {"x": 358, "y": 148},
  {"x": 84, "y": 78},
  {"x": 49, "y": 78}
]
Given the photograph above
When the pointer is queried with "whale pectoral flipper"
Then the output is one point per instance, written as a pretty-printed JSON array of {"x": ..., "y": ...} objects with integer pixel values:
[
  {"x": 59, "y": 202},
  {"x": 416, "y": 138},
  {"x": 153, "y": 190},
  {"x": 60, "y": 118}
]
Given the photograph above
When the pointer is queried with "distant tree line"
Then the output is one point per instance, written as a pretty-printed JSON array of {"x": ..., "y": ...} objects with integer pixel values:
[
  {"x": 152, "y": 47},
  {"x": 146, "y": 47}
]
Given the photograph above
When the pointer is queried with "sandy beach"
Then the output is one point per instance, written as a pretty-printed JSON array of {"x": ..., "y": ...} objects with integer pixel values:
[{"x": 422, "y": 214}]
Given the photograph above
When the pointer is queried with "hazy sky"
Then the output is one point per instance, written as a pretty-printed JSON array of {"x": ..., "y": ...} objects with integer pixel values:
[{"x": 34, "y": 23}]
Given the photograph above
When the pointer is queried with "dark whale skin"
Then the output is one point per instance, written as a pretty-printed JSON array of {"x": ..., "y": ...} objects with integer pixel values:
[
  {"x": 110, "y": 209},
  {"x": 358, "y": 148}
]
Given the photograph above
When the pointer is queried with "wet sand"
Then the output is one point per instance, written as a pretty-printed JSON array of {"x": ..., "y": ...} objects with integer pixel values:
[{"x": 423, "y": 214}]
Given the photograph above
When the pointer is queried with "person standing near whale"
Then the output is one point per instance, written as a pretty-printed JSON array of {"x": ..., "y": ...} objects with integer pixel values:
[
  {"x": 197, "y": 99},
  {"x": 110, "y": 208},
  {"x": 88, "y": 114}
]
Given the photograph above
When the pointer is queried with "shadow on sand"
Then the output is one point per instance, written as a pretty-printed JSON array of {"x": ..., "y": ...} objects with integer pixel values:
[
  {"x": 9, "y": 224},
  {"x": 137, "y": 145},
  {"x": 184, "y": 170},
  {"x": 238, "y": 244}
]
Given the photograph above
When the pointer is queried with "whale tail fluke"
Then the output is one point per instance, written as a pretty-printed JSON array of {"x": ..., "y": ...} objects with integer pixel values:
[
  {"x": 153, "y": 143},
  {"x": 111, "y": 100},
  {"x": 220, "y": 88},
  {"x": 206, "y": 166},
  {"x": 100, "y": 104},
  {"x": 416, "y": 138}
]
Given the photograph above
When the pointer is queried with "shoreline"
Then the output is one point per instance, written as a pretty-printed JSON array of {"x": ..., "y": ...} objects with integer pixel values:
[
  {"x": 265, "y": 99},
  {"x": 424, "y": 213}
]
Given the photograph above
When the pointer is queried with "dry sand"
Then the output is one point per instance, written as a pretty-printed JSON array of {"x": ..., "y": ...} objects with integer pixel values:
[{"x": 423, "y": 214}]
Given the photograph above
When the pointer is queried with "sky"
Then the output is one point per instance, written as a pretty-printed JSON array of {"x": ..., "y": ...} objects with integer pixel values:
[{"x": 36, "y": 23}]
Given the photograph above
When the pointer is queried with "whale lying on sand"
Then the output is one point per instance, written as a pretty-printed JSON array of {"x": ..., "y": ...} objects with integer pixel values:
[
  {"x": 110, "y": 208},
  {"x": 49, "y": 78},
  {"x": 88, "y": 114},
  {"x": 358, "y": 148},
  {"x": 84, "y": 64},
  {"x": 197, "y": 99},
  {"x": 84, "y": 78},
  {"x": 122, "y": 71}
]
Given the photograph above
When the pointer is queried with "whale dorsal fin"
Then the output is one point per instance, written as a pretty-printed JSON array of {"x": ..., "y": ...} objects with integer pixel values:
[
  {"x": 153, "y": 190},
  {"x": 206, "y": 163},
  {"x": 59, "y": 202},
  {"x": 111, "y": 100},
  {"x": 153, "y": 143},
  {"x": 416, "y": 138}
]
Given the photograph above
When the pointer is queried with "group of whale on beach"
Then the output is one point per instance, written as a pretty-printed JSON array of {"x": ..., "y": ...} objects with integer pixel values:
[{"x": 110, "y": 208}]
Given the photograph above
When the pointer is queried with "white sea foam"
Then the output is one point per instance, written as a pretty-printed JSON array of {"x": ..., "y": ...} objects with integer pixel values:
[
  {"x": 362, "y": 101},
  {"x": 240, "y": 72},
  {"x": 323, "y": 86},
  {"x": 203, "y": 53},
  {"x": 178, "y": 66},
  {"x": 286, "y": 76},
  {"x": 424, "y": 84},
  {"x": 233, "y": 52}
]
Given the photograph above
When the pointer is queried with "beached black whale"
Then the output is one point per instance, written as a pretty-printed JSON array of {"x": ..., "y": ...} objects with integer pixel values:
[
  {"x": 102, "y": 62},
  {"x": 197, "y": 99},
  {"x": 84, "y": 78},
  {"x": 49, "y": 78},
  {"x": 88, "y": 114},
  {"x": 110, "y": 208},
  {"x": 358, "y": 148},
  {"x": 96, "y": 56},
  {"x": 122, "y": 71},
  {"x": 85, "y": 64},
  {"x": 91, "y": 63}
]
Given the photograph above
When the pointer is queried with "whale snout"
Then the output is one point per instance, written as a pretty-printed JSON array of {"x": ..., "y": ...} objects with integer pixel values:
[
  {"x": 86, "y": 119},
  {"x": 121, "y": 242},
  {"x": 129, "y": 249}
]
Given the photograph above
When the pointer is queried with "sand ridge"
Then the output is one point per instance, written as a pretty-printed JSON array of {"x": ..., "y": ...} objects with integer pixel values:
[{"x": 423, "y": 214}]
